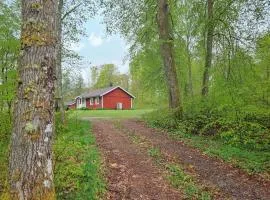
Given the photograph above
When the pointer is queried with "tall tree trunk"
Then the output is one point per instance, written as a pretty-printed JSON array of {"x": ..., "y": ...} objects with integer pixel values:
[
  {"x": 59, "y": 88},
  {"x": 209, "y": 47},
  {"x": 190, "y": 85},
  {"x": 165, "y": 35},
  {"x": 30, "y": 166}
]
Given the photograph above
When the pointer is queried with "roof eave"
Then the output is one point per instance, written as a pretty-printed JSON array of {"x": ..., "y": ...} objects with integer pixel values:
[{"x": 116, "y": 88}]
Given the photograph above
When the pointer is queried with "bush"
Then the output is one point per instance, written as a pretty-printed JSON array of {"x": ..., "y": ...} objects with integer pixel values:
[
  {"x": 215, "y": 127},
  {"x": 250, "y": 132},
  {"x": 260, "y": 117},
  {"x": 248, "y": 135},
  {"x": 164, "y": 119}
]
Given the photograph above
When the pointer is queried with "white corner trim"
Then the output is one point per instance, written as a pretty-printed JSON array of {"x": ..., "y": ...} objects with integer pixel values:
[{"x": 102, "y": 102}]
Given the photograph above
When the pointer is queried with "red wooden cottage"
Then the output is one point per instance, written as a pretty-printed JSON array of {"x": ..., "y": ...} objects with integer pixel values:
[{"x": 106, "y": 98}]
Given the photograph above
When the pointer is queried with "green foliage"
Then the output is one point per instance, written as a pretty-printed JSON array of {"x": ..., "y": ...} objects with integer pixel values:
[
  {"x": 5, "y": 132},
  {"x": 258, "y": 116},
  {"x": 245, "y": 132},
  {"x": 9, "y": 51},
  {"x": 162, "y": 119},
  {"x": 107, "y": 75},
  {"x": 77, "y": 171},
  {"x": 179, "y": 179},
  {"x": 154, "y": 152},
  {"x": 243, "y": 141},
  {"x": 5, "y": 126}
]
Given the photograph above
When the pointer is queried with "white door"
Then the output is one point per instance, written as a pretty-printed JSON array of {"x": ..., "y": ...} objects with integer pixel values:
[{"x": 119, "y": 106}]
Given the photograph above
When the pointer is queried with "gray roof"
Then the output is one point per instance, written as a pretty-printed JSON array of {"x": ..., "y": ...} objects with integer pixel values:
[
  {"x": 96, "y": 93},
  {"x": 101, "y": 92}
]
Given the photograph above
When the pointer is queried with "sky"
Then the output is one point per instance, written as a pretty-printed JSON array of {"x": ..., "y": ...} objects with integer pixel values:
[{"x": 99, "y": 48}]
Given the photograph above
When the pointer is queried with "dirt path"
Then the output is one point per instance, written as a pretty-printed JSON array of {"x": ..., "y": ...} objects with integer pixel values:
[
  {"x": 131, "y": 173},
  {"x": 231, "y": 181}
]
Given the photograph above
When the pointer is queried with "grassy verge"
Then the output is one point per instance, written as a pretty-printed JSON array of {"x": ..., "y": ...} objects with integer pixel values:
[
  {"x": 77, "y": 171},
  {"x": 3, "y": 168},
  {"x": 249, "y": 160},
  {"x": 5, "y": 131},
  {"x": 116, "y": 114}
]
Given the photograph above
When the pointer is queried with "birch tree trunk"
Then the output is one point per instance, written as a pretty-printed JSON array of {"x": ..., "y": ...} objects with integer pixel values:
[
  {"x": 209, "y": 48},
  {"x": 165, "y": 35},
  {"x": 30, "y": 166}
]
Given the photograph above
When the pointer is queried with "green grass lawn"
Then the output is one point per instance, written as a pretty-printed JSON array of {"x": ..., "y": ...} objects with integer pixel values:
[{"x": 115, "y": 114}]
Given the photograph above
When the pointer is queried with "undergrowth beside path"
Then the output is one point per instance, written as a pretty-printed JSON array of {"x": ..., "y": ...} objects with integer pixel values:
[
  {"x": 244, "y": 144},
  {"x": 78, "y": 173}
]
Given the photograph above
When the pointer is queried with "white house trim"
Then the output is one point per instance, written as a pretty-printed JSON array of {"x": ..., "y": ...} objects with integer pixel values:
[
  {"x": 82, "y": 102},
  {"x": 91, "y": 101},
  {"x": 102, "y": 102},
  {"x": 116, "y": 88},
  {"x": 131, "y": 106},
  {"x": 97, "y": 101}
]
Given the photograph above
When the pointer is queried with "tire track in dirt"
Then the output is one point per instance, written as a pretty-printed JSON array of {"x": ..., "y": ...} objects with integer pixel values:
[
  {"x": 131, "y": 174},
  {"x": 210, "y": 171}
]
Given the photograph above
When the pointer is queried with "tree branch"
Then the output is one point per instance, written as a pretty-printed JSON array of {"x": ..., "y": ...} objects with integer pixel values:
[{"x": 70, "y": 11}]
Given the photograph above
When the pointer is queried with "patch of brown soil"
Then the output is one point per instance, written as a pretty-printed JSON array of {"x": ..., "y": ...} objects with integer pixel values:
[
  {"x": 131, "y": 173},
  {"x": 211, "y": 171}
]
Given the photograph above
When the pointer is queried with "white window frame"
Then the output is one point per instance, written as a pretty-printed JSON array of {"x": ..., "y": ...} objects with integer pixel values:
[
  {"x": 79, "y": 101},
  {"x": 91, "y": 101},
  {"x": 97, "y": 100}
]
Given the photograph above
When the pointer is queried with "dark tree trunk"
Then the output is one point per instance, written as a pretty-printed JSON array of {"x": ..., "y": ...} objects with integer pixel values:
[
  {"x": 165, "y": 35},
  {"x": 30, "y": 167},
  {"x": 209, "y": 47}
]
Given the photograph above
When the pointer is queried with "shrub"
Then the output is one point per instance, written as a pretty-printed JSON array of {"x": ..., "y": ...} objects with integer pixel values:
[
  {"x": 260, "y": 117},
  {"x": 248, "y": 135},
  {"x": 164, "y": 119},
  {"x": 216, "y": 127},
  {"x": 250, "y": 132}
]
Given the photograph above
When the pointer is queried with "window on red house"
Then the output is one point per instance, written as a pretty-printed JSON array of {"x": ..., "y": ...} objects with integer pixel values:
[
  {"x": 91, "y": 101},
  {"x": 97, "y": 100}
]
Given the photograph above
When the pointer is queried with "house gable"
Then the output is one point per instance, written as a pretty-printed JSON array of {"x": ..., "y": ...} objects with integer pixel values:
[
  {"x": 118, "y": 87},
  {"x": 117, "y": 96}
]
